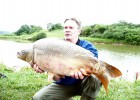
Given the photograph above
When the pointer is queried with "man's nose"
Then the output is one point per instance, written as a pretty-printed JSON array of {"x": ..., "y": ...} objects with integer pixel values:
[{"x": 67, "y": 31}]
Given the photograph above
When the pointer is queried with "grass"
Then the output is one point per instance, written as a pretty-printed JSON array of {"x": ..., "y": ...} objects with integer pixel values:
[
  {"x": 24, "y": 84},
  {"x": 56, "y": 33}
]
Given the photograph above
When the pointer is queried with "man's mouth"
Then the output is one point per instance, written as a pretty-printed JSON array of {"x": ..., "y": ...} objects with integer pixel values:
[{"x": 67, "y": 35}]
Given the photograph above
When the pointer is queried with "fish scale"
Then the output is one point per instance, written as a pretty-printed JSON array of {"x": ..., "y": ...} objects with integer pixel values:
[{"x": 60, "y": 57}]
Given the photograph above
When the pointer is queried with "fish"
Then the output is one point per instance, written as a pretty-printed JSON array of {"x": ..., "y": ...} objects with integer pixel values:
[{"x": 57, "y": 56}]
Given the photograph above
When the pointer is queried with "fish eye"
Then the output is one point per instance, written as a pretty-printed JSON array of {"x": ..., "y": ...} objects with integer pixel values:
[{"x": 23, "y": 52}]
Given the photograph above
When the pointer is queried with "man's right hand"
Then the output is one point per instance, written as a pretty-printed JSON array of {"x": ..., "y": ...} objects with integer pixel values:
[
  {"x": 57, "y": 77},
  {"x": 36, "y": 68}
]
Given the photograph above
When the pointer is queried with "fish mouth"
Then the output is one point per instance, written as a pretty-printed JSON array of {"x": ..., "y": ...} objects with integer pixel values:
[{"x": 18, "y": 54}]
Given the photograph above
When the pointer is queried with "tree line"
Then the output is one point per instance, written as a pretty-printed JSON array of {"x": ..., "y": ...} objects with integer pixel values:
[
  {"x": 121, "y": 31},
  {"x": 26, "y": 29}
]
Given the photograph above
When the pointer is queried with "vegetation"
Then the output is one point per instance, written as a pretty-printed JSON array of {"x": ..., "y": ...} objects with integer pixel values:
[
  {"x": 22, "y": 85},
  {"x": 52, "y": 27},
  {"x": 37, "y": 36},
  {"x": 121, "y": 32},
  {"x": 25, "y": 29},
  {"x": 127, "y": 32}
]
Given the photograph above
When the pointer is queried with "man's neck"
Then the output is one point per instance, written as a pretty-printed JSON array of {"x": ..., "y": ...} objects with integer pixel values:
[{"x": 73, "y": 41}]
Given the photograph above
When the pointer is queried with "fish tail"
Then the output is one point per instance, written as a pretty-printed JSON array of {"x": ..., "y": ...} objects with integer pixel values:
[
  {"x": 112, "y": 71},
  {"x": 105, "y": 81},
  {"x": 109, "y": 72}
]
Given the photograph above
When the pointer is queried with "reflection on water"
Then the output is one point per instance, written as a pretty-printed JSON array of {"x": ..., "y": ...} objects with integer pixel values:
[{"x": 124, "y": 57}]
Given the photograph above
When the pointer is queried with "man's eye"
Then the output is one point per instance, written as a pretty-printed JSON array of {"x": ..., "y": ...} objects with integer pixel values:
[
  {"x": 70, "y": 27},
  {"x": 65, "y": 27}
]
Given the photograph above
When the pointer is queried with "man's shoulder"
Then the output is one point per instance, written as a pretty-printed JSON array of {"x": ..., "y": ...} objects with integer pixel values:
[
  {"x": 89, "y": 46},
  {"x": 85, "y": 43}
]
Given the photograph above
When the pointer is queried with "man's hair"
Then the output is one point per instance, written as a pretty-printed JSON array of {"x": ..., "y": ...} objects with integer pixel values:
[{"x": 78, "y": 22}]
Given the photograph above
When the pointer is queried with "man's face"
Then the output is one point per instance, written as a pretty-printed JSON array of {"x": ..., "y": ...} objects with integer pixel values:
[{"x": 71, "y": 30}]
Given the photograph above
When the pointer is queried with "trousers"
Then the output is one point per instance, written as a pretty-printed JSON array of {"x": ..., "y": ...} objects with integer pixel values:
[{"x": 87, "y": 89}]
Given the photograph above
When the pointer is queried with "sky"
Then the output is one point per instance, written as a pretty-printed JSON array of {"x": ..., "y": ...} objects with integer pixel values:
[{"x": 14, "y": 13}]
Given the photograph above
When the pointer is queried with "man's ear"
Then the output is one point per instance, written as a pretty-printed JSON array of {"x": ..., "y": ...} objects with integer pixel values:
[{"x": 80, "y": 31}]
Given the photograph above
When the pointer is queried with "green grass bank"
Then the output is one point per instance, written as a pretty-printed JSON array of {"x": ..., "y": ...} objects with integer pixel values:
[{"x": 22, "y": 85}]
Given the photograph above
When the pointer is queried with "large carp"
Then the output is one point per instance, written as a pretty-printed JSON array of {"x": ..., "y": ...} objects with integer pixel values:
[{"x": 64, "y": 58}]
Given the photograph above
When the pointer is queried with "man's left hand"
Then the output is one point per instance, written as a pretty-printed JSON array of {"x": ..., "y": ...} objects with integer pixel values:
[{"x": 79, "y": 75}]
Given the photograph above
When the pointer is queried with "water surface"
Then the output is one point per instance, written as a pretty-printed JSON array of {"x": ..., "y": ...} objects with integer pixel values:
[{"x": 124, "y": 57}]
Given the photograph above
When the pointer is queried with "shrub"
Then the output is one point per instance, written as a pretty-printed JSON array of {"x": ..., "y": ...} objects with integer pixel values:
[
  {"x": 118, "y": 36},
  {"x": 87, "y": 31},
  {"x": 100, "y": 28},
  {"x": 96, "y": 35},
  {"x": 108, "y": 35},
  {"x": 38, "y": 36},
  {"x": 132, "y": 37}
]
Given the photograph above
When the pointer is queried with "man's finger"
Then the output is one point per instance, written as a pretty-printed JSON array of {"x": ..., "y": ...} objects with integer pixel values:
[
  {"x": 31, "y": 63},
  {"x": 80, "y": 75},
  {"x": 76, "y": 75},
  {"x": 40, "y": 70},
  {"x": 82, "y": 70}
]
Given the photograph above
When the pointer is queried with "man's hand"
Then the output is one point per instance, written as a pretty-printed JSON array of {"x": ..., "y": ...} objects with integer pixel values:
[
  {"x": 57, "y": 77},
  {"x": 36, "y": 68},
  {"x": 79, "y": 75}
]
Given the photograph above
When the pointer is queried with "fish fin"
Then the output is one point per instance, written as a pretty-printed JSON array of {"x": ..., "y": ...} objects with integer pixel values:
[
  {"x": 50, "y": 77},
  {"x": 105, "y": 81},
  {"x": 112, "y": 71},
  {"x": 86, "y": 74},
  {"x": 108, "y": 71}
]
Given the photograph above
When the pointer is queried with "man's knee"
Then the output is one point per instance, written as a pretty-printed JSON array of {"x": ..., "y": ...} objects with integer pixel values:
[
  {"x": 42, "y": 97},
  {"x": 86, "y": 97},
  {"x": 49, "y": 97},
  {"x": 35, "y": 97},
  {"x": 91, "y": 87}
]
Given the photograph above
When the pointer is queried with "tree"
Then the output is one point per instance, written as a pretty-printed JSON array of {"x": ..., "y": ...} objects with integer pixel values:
[
  {"x": 34, "y": 28},
  {"x": 52, "y": 27},
  {"x": 23, "y": 29}
]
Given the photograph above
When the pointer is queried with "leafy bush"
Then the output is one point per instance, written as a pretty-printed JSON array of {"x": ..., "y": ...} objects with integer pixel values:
[
  {"x": 52, "y": 27},
  {"x": 34, "y": 28},
  {"x": 38, "y": 36},
  {"x": 26, "y": 29},
  {"x": 87, "y": 31},
  {"x": 118, "y": 36},
  {"x": 108, "y": 35},
  {"x": 133, "y": 37},
  {"x": 96, "y": 35},
  {"x": 99, "y": 29}
]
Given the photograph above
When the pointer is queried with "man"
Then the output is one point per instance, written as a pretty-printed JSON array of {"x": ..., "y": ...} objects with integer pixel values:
[{"x": 65, "y": 87}]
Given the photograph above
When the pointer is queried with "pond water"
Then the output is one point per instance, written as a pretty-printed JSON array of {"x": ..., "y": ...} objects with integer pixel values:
[
  {"x": 8, "y": 50},
  {"x": 124, "y": 57}
]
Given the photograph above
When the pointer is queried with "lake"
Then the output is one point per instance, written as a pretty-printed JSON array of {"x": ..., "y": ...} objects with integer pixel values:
[{"x": 124, "y": 57}]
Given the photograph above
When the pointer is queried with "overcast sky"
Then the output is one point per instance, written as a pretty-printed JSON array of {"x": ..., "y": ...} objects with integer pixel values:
[{"x": 14, "y": 13}]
